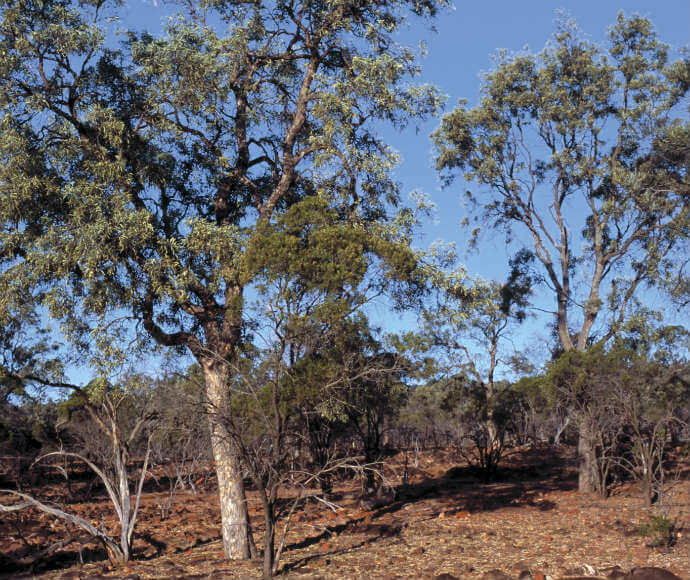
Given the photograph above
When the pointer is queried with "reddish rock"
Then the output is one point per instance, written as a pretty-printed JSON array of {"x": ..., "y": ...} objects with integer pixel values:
[{"x": 650, "y": 573}]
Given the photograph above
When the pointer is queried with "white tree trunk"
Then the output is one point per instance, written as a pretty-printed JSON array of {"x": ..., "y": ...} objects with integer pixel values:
[{"x": 233, "y": 505}]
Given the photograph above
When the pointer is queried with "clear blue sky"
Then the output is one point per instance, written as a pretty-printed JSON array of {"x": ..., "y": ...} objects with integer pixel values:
[{"x": 466, "y": 38}]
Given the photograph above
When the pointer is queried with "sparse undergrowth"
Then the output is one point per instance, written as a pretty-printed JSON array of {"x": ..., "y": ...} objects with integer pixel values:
[
  {"x": 443, "y": 520},
  {"x": 659, "y": 530}
]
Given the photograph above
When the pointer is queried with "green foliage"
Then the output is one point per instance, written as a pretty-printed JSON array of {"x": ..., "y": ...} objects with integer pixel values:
[
  {"x": 660, "y": 530},
  {"x": 148, "y": 185},
  {"x": 152, "y": 170},
  {"x": 27, "y": 428},
  {"x": 27, "y": 356},
  {"x": 623, "y": 402},
  {"x": 579, "y": 130}
]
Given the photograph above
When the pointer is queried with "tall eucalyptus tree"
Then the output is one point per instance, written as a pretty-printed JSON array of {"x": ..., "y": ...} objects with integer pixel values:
[
  {"x": 574, "y": 148},
  {"x": 135, "y": 174}
]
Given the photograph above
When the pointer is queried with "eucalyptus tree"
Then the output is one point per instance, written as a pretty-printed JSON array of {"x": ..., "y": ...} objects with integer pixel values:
[
  {"x": 467, "y": 325},
  {"x": 134, "y": 175},
  {"x": 571, "y": 148}
]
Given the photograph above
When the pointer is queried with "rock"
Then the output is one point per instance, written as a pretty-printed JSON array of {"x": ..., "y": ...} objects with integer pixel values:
[
  {"x": 585, "y": 571},
  {"x": 650, "y": 573},
  {"x": 149, "y": 552}
]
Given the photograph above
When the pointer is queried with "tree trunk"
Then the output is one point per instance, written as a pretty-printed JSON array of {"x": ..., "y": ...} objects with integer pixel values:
[
  {"x": 492, "y": 431},
  {"x": 114, "y": 553},
  {"x": 233, "y": 504},
  {"x": 586, "y": 464},
  {"x": 647, "y": 492},
  {"x": 269, "y": 540}
]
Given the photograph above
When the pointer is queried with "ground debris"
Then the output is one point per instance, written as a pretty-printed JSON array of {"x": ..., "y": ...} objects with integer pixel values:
[{"x": 442, "y": 524}]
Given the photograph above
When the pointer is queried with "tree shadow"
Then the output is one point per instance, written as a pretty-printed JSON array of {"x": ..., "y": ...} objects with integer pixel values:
[
  {"x": 461, "y": 489},
  {"x": 517, "y": 484},
  {"x": 300, "y": 566},
  {"x": 17, "y": 564}
]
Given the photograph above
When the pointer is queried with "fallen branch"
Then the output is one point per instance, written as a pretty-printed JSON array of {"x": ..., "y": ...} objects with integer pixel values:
[{"x": 113, "y": 550}]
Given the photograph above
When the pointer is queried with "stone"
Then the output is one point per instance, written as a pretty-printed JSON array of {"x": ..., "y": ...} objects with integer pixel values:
[{"x": 650, "y": 573}]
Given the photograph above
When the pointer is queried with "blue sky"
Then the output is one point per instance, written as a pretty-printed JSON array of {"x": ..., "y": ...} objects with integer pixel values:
[{"x": 461, "y": 48}]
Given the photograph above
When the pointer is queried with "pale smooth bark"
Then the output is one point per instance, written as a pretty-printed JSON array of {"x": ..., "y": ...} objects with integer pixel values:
[
  {"x": 115, "y": 552},
  {"x": 233, "y": 503}
]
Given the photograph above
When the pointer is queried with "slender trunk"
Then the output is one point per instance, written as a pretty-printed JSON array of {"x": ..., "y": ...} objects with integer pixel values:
[
  {"x": 491, "y": 425},
  {"x": 647, "y": 480},
  {"x": 233, "y": 504},
  {"x": 586, "y": 464},
  {"x": 562, "y": 323},
  {"x": 125, "y": 504},
  {"x": 124, "y": 543},
  {"x": 269, "y": 540},
  {"x": 647, "y": 494}
]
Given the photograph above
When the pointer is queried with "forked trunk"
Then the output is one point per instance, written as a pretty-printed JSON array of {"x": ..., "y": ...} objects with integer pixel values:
[
  {"x": 114, "y": 552},
  {"x": 233, "y": 504}
]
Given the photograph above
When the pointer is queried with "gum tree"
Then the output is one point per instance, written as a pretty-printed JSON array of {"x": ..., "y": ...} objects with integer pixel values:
[
  {"x": 134, "y": 175},
  {"x": 570, "y": 148},
  {"x": 468, "y": 326}
]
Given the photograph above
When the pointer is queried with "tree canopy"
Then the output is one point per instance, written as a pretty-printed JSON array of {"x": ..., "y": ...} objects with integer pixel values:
[{"x": 571, "y": 148}]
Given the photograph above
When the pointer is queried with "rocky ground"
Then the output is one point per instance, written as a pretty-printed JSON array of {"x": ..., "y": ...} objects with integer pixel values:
[{"x": 444, "y": 520}]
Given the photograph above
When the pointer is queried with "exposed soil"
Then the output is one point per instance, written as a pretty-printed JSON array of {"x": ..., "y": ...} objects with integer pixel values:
[{"x": 444, "y": 520}]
